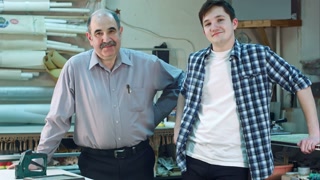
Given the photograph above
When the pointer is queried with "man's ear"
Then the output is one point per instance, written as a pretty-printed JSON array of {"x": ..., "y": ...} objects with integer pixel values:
[
  {"x": 235, "y": 23},
  {"x": 88, "y": 36},
  {"x": 120, "y": 30}
]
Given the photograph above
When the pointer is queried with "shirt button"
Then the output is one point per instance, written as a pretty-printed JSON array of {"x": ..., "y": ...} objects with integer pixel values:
[
  {"x": 119, "y": 139},
  {"x": 117, "y": 121},
  {"x": 114, "y": 106},
  {"x": 113, "y": 89}
]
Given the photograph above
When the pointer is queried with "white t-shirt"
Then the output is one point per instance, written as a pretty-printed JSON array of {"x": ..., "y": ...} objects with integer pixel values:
[{"x": 216, "y": 138}]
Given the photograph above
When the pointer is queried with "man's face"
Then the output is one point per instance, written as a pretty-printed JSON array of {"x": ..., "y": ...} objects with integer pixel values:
[
  {"x": 219, "y": 29},
  {"x": 105, "y": 36}
]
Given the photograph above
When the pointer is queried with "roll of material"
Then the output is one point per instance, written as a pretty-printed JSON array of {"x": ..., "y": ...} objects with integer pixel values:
[
  {"x": 22, "y": 59},
  {"x": 23, "y": 5},
  {"x": 23, "y": 42},
  {"x": 22, "y": 24},
  {"x": 23, "y": 113},
  {"x": 23, "y": 95}
]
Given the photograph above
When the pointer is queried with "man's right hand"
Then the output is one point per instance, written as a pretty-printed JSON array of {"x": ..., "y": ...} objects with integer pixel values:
[
  {"x": 12, "y": 166},
  {"x": 31, "y": 167}
]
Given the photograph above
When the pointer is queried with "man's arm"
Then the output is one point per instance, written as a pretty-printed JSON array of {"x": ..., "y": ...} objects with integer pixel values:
[
  {"x": 310, "y": 112},
  {"x": 168, "y": 99},
  {"x": 179, "y": 112}
]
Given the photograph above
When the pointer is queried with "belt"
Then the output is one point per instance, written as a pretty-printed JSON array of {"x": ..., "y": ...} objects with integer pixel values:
[{"x": 118, "y": 153}]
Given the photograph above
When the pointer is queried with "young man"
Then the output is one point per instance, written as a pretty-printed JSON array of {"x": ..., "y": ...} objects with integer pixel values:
[
  {"x": 111, "y": 91},
  {"x": 223, "y": 126}
]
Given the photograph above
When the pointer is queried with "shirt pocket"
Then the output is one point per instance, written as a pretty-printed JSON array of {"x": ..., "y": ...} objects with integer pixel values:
[
  {"x": 250, "y": 76},
  {"x": 254, "y": 82},
  {"x": 136, "y": 99},
  {"x": 255, "y": 85}
]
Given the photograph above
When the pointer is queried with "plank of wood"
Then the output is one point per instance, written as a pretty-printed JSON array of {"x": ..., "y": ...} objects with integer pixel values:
[{"x": 269, "y": 23}]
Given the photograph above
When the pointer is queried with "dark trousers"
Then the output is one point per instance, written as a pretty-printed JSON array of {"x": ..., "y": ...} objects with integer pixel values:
[
  {"x": 199, "y": 170},
  {"x": 135, "y": 167}
]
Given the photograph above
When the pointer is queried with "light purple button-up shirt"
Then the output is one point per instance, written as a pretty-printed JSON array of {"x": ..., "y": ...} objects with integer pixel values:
[{"x": 114, "y": 108}]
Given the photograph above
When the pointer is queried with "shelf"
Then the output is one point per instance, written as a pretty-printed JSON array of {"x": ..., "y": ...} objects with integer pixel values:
[
  {"x": 269, "y": 23},
  {"x": 260, "y": 25}
]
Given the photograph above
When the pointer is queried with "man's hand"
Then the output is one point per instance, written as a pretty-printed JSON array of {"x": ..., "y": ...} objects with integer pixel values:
[
  {"x": 12, "y": 166},
  {"x": 31, "y": 167},
  {"x": 308, "y": 145}
]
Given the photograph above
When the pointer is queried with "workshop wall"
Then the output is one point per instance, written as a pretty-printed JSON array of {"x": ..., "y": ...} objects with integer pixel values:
[{"x": 150, "y": 23}]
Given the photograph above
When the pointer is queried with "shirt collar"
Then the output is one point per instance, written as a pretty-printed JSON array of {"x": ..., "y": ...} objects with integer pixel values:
[
  {"x": 121, "y": 58},
  {"x": 207, "y": 51},
  {"x": 236, "y": 50}
]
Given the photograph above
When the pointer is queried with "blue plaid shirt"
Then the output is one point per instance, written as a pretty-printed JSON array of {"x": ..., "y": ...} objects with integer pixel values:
[{"x": 254, "y": 69}]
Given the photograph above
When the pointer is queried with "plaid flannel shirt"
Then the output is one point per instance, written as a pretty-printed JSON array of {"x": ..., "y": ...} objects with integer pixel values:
[{"x": 254, "y": 70}]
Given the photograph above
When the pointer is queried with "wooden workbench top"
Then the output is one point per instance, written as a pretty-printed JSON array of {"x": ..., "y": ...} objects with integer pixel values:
[{"x": 10, "y": 173}]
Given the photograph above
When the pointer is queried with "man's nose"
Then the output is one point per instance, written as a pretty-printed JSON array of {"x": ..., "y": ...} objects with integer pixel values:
[
  {"x": 105, "y": 37},
  {"x": 214, "y": 26}
]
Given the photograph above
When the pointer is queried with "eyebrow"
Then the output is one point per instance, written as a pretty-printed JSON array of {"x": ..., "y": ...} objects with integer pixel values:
[
  {"x": 216, "y": 17},
  {"x": 111, "y": 28},
  {"x": 219, "y": 16},
  {"x": 97, "y": 30}
]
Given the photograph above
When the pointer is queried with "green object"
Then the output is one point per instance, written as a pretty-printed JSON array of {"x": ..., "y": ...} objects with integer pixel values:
[
  {"x": 22, "y": 169},
  {"x": 314, "y": 176}
]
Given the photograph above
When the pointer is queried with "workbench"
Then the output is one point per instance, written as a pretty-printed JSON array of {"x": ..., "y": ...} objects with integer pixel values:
[
  {"x": 290, "y": 141},
  {"x": 19, "y": 138},
  {"x": 10, "y": 173},
  {"x": 14, "y": 139},
  {"x": 28, "y": 137}
]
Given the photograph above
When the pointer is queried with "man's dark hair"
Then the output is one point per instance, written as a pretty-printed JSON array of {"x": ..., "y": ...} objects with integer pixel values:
[
  {"x": 211, "y": 3},
  {"x": 105, "y": 11}
]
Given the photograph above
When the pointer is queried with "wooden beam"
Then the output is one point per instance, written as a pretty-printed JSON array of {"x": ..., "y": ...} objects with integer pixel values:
[{"x": 269, "y": 23}]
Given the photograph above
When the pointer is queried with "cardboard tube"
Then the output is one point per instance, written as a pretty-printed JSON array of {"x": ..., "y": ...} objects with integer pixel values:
[
  {"x": 22, "y": 42},
  {"x": 23, "y": 5},
  {"x": 64, "y": 48},
  {"x": 27, "y": 25},
  {"x": 70, "y": 10},
  {"x": 61, "y": 34},
  {"x": 22, "y": 59},
  {"x": 60, "y": 4},
  {"x": 65, "y": 30}
]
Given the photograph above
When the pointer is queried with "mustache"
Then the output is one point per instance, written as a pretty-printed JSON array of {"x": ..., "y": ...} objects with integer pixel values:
[{"x": 110, "y": 43}]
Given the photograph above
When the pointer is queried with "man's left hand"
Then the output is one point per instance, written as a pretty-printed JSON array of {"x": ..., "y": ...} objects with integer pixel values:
[{"x": 308, "y": 145}]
